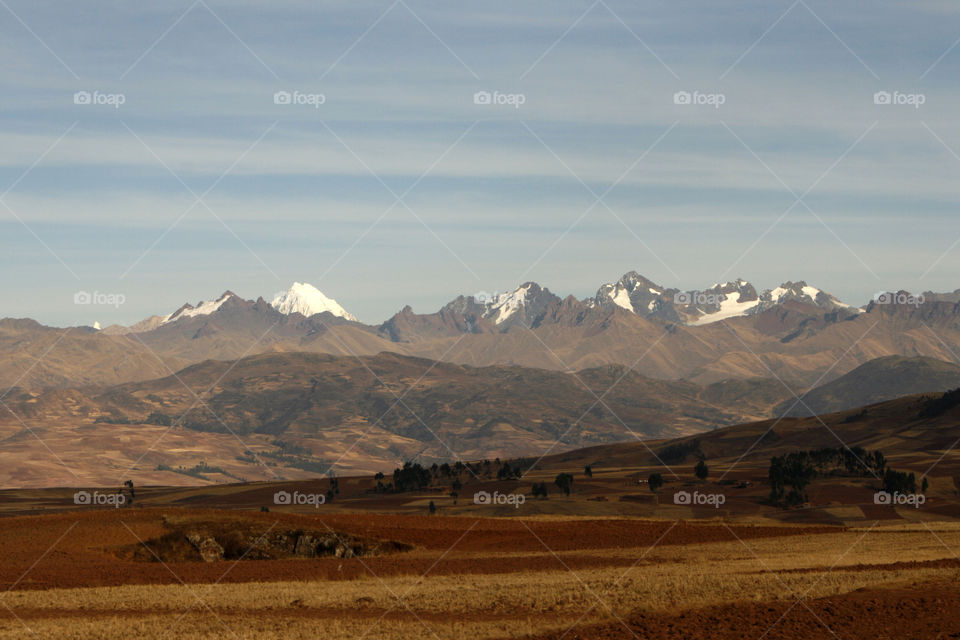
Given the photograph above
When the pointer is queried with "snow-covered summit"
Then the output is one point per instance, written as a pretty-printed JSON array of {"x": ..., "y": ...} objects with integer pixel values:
[
  {"x": 721, "y": 301},
  {"x": 306, "y": 299},
  {"x": 204, "y": 308},
  {"x": 801, "y": 292}
]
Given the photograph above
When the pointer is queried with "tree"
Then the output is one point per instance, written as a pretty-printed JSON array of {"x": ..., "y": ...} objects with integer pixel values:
[
  {"x": 432, "y": 508},
  {"x": 701, "y": 470},
  {"x": 587, "y": 471},
  {"x": 565, "y": 482},
  {"x": 127, "y": 492},
  {"x": 899, "y": 482},
  {"x": 656, "y": 481},
  {"x": 539, "y": 490}
]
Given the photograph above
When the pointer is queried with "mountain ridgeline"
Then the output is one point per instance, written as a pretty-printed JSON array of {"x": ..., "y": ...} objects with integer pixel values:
[{"x": 730, "y": 331}]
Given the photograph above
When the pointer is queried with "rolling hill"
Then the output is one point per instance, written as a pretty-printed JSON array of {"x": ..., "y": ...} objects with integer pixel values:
[
  {"x": 875, "y": 381},
  {"x": 363, "y": 413}
]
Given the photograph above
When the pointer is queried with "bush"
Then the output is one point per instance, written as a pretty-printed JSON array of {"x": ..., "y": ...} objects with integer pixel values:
[
  {"x": 701, "y": 470},
  {"x": 656, "y": 481},
  {"x": 160, "y": 419}
]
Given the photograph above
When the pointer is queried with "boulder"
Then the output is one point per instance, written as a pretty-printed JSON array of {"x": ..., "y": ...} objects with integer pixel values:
[{"x": 208, "y": 548}]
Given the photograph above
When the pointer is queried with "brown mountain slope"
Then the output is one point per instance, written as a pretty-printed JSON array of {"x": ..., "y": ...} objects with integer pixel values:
[
  {"x": 918, "y": 432},
  {"x": 795, "y": 342},
  {"x": 875, "y": 381},
  {"x": 317, "y": 409}
]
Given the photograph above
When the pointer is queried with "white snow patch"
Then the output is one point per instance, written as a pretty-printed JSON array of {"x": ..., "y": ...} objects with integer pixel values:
[
  {"x": 306, "y": 299},
  {"x": 776, "y": 294},
  {"x": 507, "y": 304},
  {"x": 729, "y": 308},
  {"x": 203, "y": 309},
  {"x": 621, "y": 298},
  {"x": 811, "y": 291}
]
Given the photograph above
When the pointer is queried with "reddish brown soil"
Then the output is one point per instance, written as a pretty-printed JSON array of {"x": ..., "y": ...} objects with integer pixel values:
[
  {"x": 86, "y": 548},
  {"x": 928, "y": 611}
]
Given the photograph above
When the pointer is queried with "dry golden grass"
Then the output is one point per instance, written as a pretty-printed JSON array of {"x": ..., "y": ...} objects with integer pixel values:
[{"x": 665, "y": 579}]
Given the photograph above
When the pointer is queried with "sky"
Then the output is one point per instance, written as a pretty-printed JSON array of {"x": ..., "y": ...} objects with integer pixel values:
[{"x": 405, "y": 152}]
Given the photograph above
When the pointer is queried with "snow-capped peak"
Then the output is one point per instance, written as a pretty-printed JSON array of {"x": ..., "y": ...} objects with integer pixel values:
[
  {"x": 306, "y": 299},
  {"x": 801, "y": 292},
  {"x": 204, "y": 308},
  {"x": 507, "y": 304},
  {"x": 632, "y": 292}
]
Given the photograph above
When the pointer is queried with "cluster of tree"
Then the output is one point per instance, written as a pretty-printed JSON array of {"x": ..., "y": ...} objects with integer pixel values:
[
  {"x": 902, "y": 482},
  {"x": 196, "y": 471},
  {"x": 798, "y": 468},
  {"x": 113, "y": 420},
  {"x": 160, "y": 419},
  {"x": 508, "y": 472},
  {"x": 415, "y": 477},
  {"x": 291, "y": 448},
  {"x": 411, "y": 477},
  {"x": 678, "y": 452},
  {"x": 938, "y": 406}
]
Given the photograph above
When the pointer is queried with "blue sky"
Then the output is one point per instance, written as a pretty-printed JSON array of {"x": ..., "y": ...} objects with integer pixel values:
[{"x": 399, "y": 189}]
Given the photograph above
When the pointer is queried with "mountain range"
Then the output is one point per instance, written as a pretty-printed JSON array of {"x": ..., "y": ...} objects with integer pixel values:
[
  {"x": 289, "y": 386},
  {"x": 795, "y": 332},
  {"x": 632, "y": 292}
]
